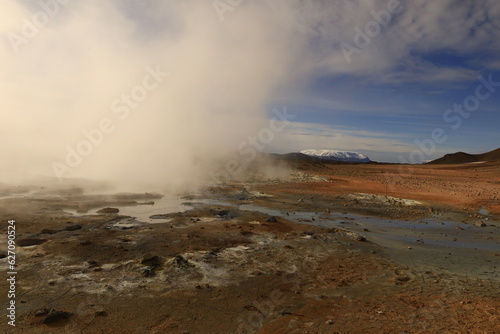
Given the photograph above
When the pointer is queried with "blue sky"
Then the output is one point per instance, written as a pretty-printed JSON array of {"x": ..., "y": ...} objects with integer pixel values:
[{"x": 397, "y": 89}]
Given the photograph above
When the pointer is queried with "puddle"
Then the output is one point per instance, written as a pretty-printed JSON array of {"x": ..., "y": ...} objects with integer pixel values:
[
  {"x": 30, "y": 195},
  {"x": 483, "y": 212},
  {"x": 431, "y": 231},
  {"x": 166, "y": 204}
]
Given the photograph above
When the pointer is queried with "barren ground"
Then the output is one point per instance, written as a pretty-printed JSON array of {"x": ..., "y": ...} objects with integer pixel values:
[{"x": 362, "y": 249}]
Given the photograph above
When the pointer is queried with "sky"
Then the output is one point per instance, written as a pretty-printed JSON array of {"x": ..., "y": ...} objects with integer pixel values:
[{"x": 135, "y": 90}]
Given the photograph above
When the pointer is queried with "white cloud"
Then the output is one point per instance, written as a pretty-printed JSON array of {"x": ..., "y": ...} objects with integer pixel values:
[{"x": 223, "y": 74}]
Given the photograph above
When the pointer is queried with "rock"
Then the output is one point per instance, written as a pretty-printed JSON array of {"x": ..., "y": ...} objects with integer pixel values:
[
  {"x": 181, "y": 262},
  {"x": 30, "y": 242},
  {"x": 101, "y": 314},
  {"x": 403, "y": 278},
  {"x": 160, "y": 216},
  {"x": 85, "y": 242},
  {"x": 42, "y": 312},
  {"x": 221, "y": 213},
  {"x": 480, "y": 224},
  {"x": 360, "y": 238},
  {"x": 272, "y": 219},
  {"x": 149, "y": 272},
  {"x": 47, "y": 231},
  {"x": 108, "y": 211},
  {"x": 92, "y": 263},
  {"x": 73, "y": 227},
  {"x": 153, "y": 261},
  {"x": 54, "y": 316}
]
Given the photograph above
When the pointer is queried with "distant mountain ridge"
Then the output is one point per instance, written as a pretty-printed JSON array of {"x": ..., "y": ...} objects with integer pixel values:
[
  {"x": 333, "y": 155},
  {"x": 463, "y": 158}
]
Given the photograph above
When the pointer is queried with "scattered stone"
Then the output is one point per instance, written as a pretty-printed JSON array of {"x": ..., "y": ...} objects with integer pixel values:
[
  {"x": 480, "y": 224},
  {"x": 85, "y": 242},
  {"x": 108, "y": 211},
  {"x": 54, "y": 316},
  {"x": 272, "y": 219},
  {"x": 30, "y": 242},
  {"x": 73, "y": 227},
  {"x": 329, "y": 322},
  {"x": 101, "y": 314}
]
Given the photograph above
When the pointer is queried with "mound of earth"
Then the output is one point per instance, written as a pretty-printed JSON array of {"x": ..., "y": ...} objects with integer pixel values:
[{"x": 463, "y": 158}]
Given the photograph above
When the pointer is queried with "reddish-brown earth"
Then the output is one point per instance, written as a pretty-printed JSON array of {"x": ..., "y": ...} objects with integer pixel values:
[{"x": 219, "y": 268}]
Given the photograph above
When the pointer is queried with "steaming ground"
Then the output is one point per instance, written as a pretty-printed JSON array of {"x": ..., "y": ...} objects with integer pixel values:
[{"x": 323, "y": 247}]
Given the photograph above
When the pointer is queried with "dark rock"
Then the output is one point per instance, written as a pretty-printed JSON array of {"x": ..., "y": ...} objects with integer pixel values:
[
  {"x": 181, "y": 262},
  {"x": 85, "y": 242},
  {"x": 221, "y": 213},
  {"x": 360, "y": 238},
  {"x": 212, "y": 254},
  {"x": 160, "y": 216},
  {"x": 42, "y": 312},
  {"x": 92, "y": 263},
  {"x": 402, "y": 278},
  {"x": 272, "y": 219},
  {"x": 153, "y": 261},
  {"x": 30, "y": 242},
  {"x": 101, "y": 314},
  {"x": 73, "y": 227},
  {"x": 149, "y": 272},
  {"x": 55, "y": 316},
  {"x": 108, "y": 211},
  {"x": 47, "y": 231}
]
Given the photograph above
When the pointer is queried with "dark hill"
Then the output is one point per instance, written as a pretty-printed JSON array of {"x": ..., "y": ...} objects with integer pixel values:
[{"x": 463, "y": 158}]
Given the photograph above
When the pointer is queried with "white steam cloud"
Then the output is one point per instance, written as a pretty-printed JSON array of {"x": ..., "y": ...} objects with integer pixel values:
[
  {"x": 69, "y": 67},
  {"x": 87, "y": 94}
]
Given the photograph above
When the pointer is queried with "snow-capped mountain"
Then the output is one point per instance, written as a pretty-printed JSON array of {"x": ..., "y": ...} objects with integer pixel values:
[{"x": 337, "y": 155}]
